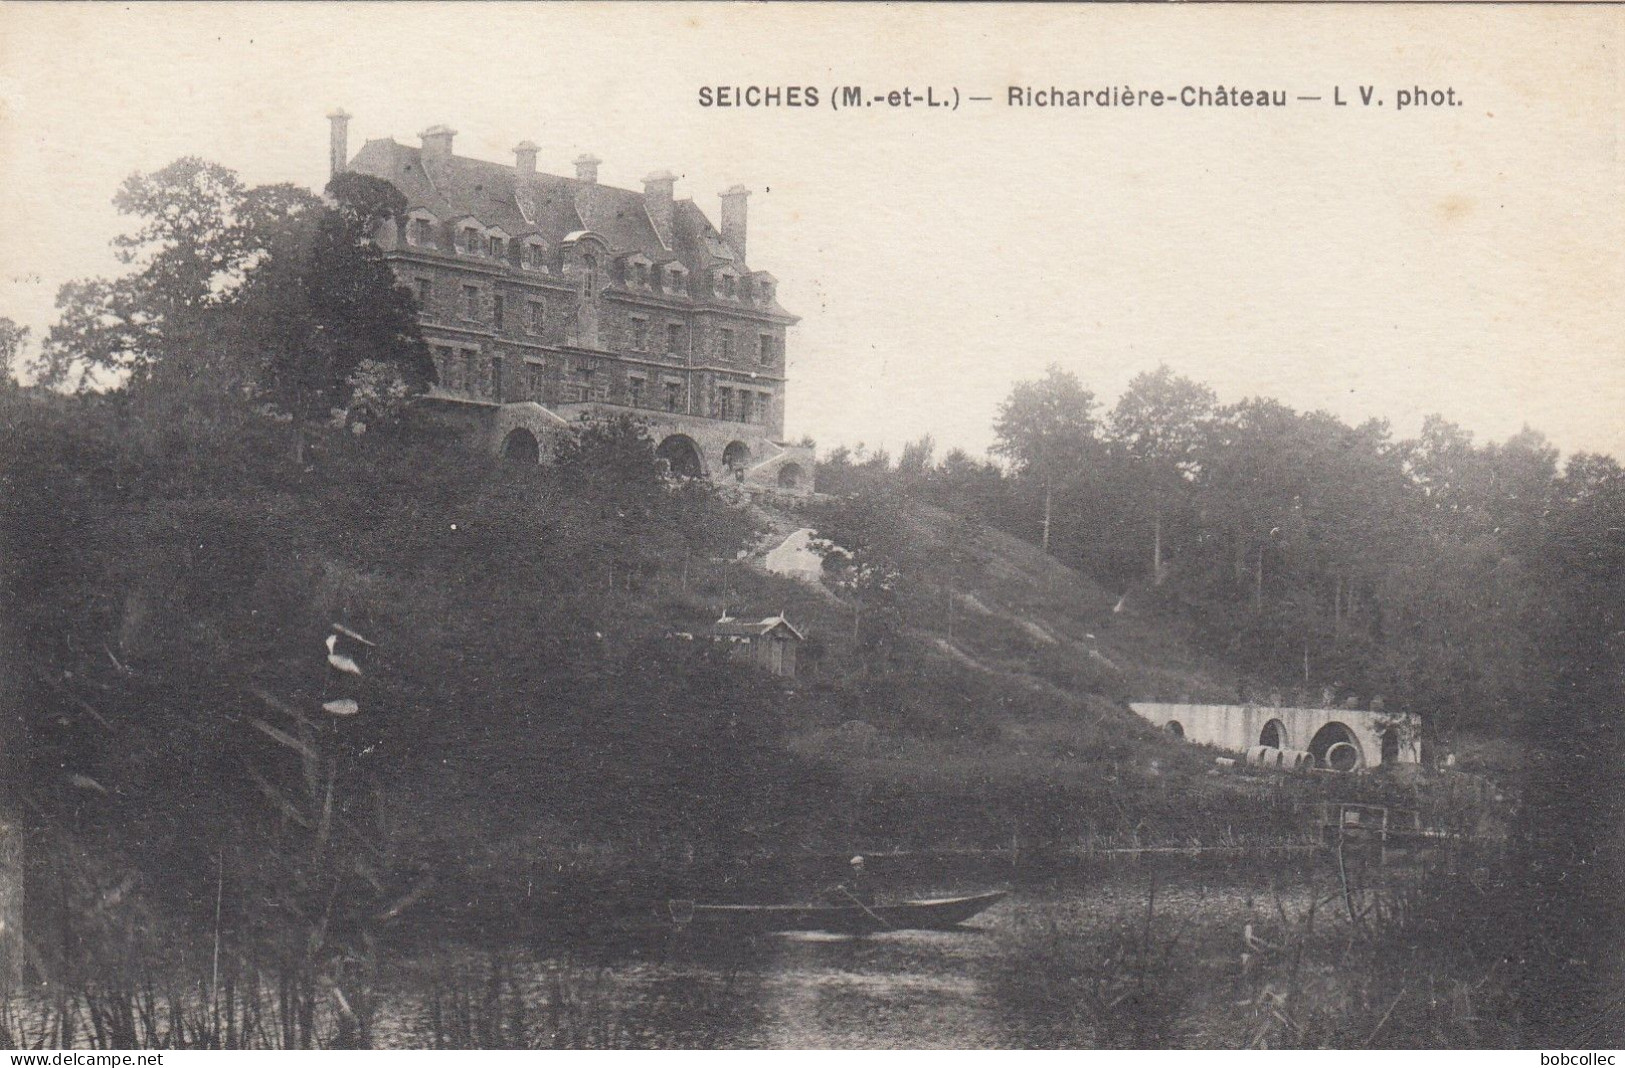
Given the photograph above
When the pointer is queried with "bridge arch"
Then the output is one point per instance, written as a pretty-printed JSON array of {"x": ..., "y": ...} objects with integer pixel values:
[
  {"x": 682, "y": 454},
  {"x": 1175, "y": 728},
  {"x": 1273, "y": 735},
  {"x": 1348, "y": 755}
]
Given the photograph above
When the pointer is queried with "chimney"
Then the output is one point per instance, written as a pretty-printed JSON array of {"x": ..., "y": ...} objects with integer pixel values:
[
  {"x": 587, "y": 168},
  {"x": 338, "y": 142},
  {"x": 437, "y": 142},
  {"x": 657, "y": 200},
  {"x": 733, "y": 218},
  {"x": 524, "y": 160}
]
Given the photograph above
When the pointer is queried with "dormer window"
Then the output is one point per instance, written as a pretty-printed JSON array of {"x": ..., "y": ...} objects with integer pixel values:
[
  {"x": 641, "y": 272},
  {"x": 676, "y": 278},
  {"x": 765, "y": 291},
  {"x": 728, "y": 286},
  {"x": 535, "y": 256},
  {"x": 590, "y": 263},
  {"x": 420, "y": 231},
  {"x": 499, "y": 249},
  {"x": 470, "y": 241}
]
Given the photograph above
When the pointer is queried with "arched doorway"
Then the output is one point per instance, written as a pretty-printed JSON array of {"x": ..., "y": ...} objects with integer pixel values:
[
  {"x": 1390, "y": 745},
  {"x": 790, "y": 476},
  {"x": 736, "y": 457},
  {"x": 1175, "y": 728},
  {"x": 1273, "y": 734},
  {"x": 1334, "y": 746},
  {"x": 521, "y": 447},
  {"x": 682, "y": 455}
]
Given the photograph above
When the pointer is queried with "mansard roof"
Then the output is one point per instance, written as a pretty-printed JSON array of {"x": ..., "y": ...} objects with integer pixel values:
[{"x": 456, "y": 186}]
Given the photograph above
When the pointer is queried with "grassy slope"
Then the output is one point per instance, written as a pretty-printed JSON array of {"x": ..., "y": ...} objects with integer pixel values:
[{"x": 1018, "y": 723}]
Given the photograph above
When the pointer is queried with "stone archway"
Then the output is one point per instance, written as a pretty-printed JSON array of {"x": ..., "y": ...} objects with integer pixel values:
[
  {"x": 736, "y": 457},
  {"x": 790, "y": 476},
  {"x": 1273, "y": 734},
  {"x": 1175, "y": 728},
  {"x": 1335, "y": 746},
  {"x": 683, "y": 456},
  {"x": 521, "y": 447}
]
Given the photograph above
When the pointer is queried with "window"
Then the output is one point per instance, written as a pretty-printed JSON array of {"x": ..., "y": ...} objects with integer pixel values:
[
  {"x": 591, "y": 264},
  {"x": 746, "y": 406},
  {"x": 674, "y": 395},
  {"x": 641, "y": 273},
  {"x": 765, "y": 352},
  {"x": 450, "y": 373},
  {"x": 536, "y": 256},
  {"x": 538, "y": 316},
  {"x": 426, "y": 295},
  {"x": 471, "y": 302},
  {"x": 674, "y": 338},
  {"x": 764, "y": 407},
  {"x": 499, "y": 308},
  {"x": 421, "y": 233},
  {"x": 471, "y": 372},
  {"x": 499, "y": 249},
  {"x": 496, "y": 379},
  {"x": 634, "y": 391},
  {"x": 674, "y": 278},
  {"x": 538, "y": 380},
  {"x": 725, "y": 343},
  {"x": 640, "y": 335},
  {"x": 728, "y": 286},
  {"x": 725, "y": 403},
  {"x": 470, "y": 241},
  {"x": 767, "y": 292}
]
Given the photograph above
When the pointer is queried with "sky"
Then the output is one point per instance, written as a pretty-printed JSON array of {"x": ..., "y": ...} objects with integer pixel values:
[{"x": 1365, "y": 260}]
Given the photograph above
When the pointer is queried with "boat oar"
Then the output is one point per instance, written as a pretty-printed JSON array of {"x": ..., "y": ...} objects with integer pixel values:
[{"x": 872, "y": 913}]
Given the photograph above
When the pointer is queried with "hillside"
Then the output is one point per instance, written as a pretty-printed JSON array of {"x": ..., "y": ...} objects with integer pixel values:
[{"x": 532, "y": 713}]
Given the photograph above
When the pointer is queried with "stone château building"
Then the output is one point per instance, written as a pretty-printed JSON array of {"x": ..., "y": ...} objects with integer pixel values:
[{"x": 545, "y": 298}]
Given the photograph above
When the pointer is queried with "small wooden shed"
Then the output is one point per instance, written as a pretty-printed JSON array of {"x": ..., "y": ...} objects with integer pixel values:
[{"x": 769, "y": 644}]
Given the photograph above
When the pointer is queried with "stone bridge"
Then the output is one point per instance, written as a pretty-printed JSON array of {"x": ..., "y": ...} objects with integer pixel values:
[{"x": 1377, "y": 737}]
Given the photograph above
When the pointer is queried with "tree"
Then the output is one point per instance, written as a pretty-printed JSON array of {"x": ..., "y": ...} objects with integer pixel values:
[
  {"x": 1160, "y": 424},
  {"x": 321, "y": 304},
  {"x": 188, "y": 251},
  {"x": 13, "y": 339},
  {"x": 1048, "y": 428}
]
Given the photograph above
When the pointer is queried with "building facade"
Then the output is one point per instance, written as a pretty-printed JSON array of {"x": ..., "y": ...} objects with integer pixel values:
[{"x": 545, "y": 298}]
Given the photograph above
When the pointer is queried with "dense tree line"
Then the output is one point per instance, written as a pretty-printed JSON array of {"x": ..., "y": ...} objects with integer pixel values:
[{"x": 1314, "y": 554}]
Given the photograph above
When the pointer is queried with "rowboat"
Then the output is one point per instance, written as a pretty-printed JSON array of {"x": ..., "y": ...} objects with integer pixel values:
[{"x": 930, "y": 914}]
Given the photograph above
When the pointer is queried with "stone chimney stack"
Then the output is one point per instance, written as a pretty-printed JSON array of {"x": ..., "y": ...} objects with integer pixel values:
[
  {"x": 338, "y": 142},
  {"x": 437, "y": 142},
  {"x": 733, "y": 218},
  {"x": 658, "y": 189},
  {"x": 524, "y": 160},
  {"x": 587, "y": 168}
]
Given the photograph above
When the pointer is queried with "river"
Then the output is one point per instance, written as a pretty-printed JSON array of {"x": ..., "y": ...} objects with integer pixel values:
[{"x": 1011, "y": 977}]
